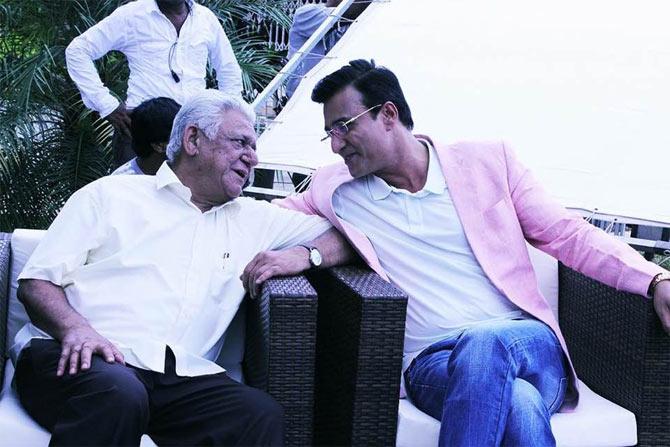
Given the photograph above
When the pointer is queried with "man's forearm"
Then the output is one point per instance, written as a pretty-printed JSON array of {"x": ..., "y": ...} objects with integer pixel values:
[
  {"x": 334, "y": 248},
  {"x": 82, "y": 70},
  {"x": 48, "y": 308}
]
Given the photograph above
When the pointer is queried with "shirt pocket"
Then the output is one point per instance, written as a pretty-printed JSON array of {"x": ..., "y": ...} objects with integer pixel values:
[
  {"x": 196, "y": 52},
  {"x": 225, "y": 286}
]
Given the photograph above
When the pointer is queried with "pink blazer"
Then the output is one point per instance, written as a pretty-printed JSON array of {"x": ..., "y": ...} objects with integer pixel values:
[{"x": 501, "y": 206}]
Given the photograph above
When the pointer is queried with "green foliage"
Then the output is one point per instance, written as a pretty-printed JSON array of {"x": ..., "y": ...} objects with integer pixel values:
[{"x": 50, "y": 144}]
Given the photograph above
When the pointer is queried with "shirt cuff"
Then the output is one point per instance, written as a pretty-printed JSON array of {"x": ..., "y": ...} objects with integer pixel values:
[{"x": 107, "y": 106}]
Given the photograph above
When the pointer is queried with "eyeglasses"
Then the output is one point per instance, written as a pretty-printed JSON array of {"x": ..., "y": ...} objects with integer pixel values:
[{"x": 340, "y": 128}]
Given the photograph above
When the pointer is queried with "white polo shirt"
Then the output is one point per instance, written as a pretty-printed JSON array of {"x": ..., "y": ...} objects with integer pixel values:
[
  {"x": 148, "y": 269},
  {"x": 420, "y": 243}
]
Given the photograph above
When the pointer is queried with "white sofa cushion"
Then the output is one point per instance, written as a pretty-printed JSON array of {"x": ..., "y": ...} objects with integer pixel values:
[
  {"x": 596, "y": 422},
  {"x": 22, "y": 246},
  {"x": 546, "y": 271}
]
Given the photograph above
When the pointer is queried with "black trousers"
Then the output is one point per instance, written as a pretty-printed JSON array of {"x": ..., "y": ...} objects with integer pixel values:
[{"x": 112, "y": 404}]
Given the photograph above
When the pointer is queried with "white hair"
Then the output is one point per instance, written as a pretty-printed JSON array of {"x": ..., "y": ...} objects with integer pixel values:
[{"x": 204, "y": 110}]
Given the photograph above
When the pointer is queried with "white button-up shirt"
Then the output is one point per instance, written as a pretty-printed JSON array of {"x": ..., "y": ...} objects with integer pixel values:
[
  {"x": 148, "y": 269},
  {"x": 420, "y": 242},
  {"x": 151, "y": 44}
]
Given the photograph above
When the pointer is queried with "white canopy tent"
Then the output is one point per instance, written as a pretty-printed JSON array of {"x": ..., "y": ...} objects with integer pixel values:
[{"x": 580, "y": 88}]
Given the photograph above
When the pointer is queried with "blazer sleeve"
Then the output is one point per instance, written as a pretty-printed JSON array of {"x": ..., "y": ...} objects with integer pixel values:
[
  {"x": 303, "y": 202},
  {"x": 567, "y": 237}
]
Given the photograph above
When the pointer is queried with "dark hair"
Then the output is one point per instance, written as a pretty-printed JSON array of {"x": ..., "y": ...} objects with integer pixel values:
[
  {"x": 151, "y": 122},
  {"x": 376, "y": 84}
]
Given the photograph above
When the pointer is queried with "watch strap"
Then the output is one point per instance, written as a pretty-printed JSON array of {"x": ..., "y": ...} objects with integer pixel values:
[{"x": 663, "y": 276}]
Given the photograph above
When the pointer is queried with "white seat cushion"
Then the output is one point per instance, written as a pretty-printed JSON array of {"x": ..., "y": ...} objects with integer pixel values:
[
  {"x": 22, "y": 246},
  {"x": 596, "y": 422},
  {"x": 546, "y": 272}
]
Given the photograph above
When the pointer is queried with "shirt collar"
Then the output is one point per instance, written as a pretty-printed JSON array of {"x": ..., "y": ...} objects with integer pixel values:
[
  {"x": 152, "y": 6},
  {"x": 165, "y": 177},
  {"x": 435, "y": 182}
]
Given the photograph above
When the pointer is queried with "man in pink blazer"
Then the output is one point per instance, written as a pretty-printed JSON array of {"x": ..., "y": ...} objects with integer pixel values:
[{"x": 449, "y": 224}]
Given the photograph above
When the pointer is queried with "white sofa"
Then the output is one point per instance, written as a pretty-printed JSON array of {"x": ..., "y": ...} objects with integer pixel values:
[{"x": 18, "y": 429}]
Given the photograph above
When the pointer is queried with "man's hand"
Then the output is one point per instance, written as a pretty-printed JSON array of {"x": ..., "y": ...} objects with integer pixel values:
[
  {"x": 662, "y": 304},
  {"x": 78, "y": 346},
  {"x": 120, "y": 119},
  {"x": 268, "y": 264}
]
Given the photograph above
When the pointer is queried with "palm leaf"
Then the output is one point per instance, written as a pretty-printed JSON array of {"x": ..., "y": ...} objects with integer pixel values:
[{"x": 50, "y": 144}]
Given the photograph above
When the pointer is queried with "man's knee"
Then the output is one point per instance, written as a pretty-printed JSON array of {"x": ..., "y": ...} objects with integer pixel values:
[
  {"x": 124, "y": 392},
  {"x": 112, "y": 390},
  {"x": 478, "y": 347}
]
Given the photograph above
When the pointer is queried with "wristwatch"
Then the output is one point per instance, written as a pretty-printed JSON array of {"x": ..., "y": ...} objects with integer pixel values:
[
  {"x": 315, "y": 258},
  {"x": 664, "y": 276}
]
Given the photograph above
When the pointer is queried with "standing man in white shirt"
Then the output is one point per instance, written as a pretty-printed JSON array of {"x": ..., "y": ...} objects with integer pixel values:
[
  {"x": 137, "y": 280},
  {"x": 167, "y": 44}
]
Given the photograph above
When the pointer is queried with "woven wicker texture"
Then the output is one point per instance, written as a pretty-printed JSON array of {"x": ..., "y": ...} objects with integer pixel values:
[
  {"x": 619, "y": 350},
  {"x": 361, "y": 325},
  {"x": 280, "y": 350},
  {"x": 5, "y": 239}
]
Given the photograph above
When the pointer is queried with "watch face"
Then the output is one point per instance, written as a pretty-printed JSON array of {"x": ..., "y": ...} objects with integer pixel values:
[{"x": 315, "y": 257}]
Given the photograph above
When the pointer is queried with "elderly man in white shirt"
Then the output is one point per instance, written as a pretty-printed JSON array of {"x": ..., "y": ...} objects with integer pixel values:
[
  {"x": 167, "y": 44},
  {"x": 135, "y": 283}
]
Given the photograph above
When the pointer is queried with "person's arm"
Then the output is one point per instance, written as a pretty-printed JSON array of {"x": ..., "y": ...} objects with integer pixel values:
[
  {"x": 79, "y": 229},
  {"x": 334, "y": 249},
  {"x": 222, "y": 58},
  {"x": 581, "y": 246},
  {"x": 101, "y": 38},
  {"x": 662, "y": 303},
  {"x": 49, "y": 310}
]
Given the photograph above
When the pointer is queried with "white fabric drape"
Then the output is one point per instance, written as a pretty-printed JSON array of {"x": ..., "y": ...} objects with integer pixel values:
[{"x": 579, "y": 89}]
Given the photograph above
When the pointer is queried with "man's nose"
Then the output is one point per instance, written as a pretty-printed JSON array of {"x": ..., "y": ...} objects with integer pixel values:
[
  {"x": 336, "y": 144},
  {"x": 250, "y": 158}
]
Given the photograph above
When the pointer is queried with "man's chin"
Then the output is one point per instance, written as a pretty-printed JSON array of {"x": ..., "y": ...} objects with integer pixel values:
[{"x": 355, "y": 171}]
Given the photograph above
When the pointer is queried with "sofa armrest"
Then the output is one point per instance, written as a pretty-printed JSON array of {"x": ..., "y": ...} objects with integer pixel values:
[
  {"x": 5, "y": 239},
  {"x": 280, "y": 348},
  {"x": 619, "y": 349},
  {"x": 360, "y": 334}
]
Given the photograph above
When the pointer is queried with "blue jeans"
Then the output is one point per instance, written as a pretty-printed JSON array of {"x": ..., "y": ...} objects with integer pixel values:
[{"x": 496, "y": 383}]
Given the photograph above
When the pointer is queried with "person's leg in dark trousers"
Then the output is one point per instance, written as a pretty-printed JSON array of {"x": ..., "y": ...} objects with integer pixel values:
[
  {"x": 211, "y": 410},
  {"x": 106, "y": 405},
  {"x": 122, "y": 147}
]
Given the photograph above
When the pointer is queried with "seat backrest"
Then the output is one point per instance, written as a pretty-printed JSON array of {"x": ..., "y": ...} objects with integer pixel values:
[
  {"x": 22, "y": 246},
  {"x": 24, "y": 243},
  {"x": 546, "y": 271}
]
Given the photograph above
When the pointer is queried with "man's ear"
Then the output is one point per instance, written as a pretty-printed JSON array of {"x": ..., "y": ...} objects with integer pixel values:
[
  {"x": 159, "y": 147},
  {"x": 191, "y": 140},
  {"x": 389, "y": 114}
]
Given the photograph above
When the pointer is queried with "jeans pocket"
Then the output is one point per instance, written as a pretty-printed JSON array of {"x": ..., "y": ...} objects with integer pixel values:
[{"x": 560, "y": 395}]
